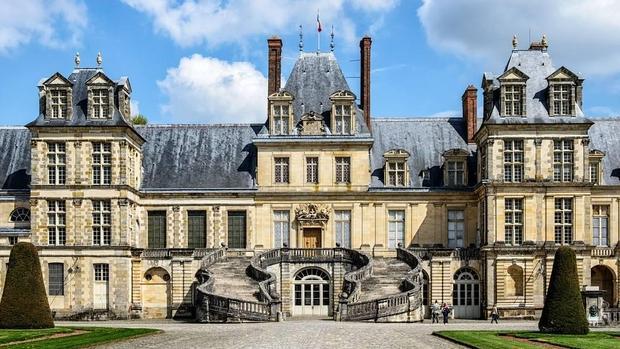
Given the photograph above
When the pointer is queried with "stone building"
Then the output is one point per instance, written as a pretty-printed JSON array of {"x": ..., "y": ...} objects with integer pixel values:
[{"x": 130, "y": 220}]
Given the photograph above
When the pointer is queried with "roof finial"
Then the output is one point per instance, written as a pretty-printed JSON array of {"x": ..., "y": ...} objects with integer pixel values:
[
  {"x": 543, "y": 41},
  {"x": 301, "y": 39},
  {"x": 99, "y": 59},
  {"x": 77, "y": 59},
  {"x": 331, "y": 44},
  {"x": 515, "y": 42}
]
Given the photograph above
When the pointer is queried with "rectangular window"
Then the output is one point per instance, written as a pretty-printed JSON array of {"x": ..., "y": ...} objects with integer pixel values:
[
  {"x": 396, "y": 173},
  {"x": 312, "y": 170},
  {"x": 196, "y": 229},
  {"x": 343, "y": 170},
  {"x": 101, "y": 103},
  {"x": 281, "y": 119},
  {"x": 157, "y": 229},
  {"x": 342, "y": 223},
  {"x": 281, "y": 228},
  {"x": 456, "y": 173},
  {"x": 13, "y": 240},
  {"x": 456, "y": 228},
  {"x": 281, "y": 170},
  {"x": 396, "y": 228},
  {"x": 56, "y": 163},
  {"x": 56, "y": 221},
  {"x": 102, "y": 272},
  {"x": 102, "y": 222},
  {"x": 513, "y": 95},
  {"x": 59, "y": 103},
  {"x": 513, "y": 160},
  {"x": 56, "y": 285},
  {"x": 513, "y": 223},
  {"x": 563, "y": 220},
  {"x": 343, "y": 119},
  {"x": 561, "y": 99},
  {"x": 594, "y": 171},
  {"x": 600, "y": 222},
  {"x": 102, "y": 163},
  {"x": 563, "y": 160},
  {"x": 236, "y": 229}
]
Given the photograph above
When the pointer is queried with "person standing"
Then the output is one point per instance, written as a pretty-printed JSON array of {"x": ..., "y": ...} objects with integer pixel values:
[
  {"x": 445, "y": 311},
  {"x": 435, "y": 312},
  {"x": 494, "y": 314}
]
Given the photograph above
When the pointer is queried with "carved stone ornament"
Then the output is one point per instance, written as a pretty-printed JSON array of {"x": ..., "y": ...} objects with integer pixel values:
[
  {"x": 311, "y": 124},
  {"x": 312, "y": 215},
  {"x": 33, "y": 202},
  {"x": 77, "y": 202}
]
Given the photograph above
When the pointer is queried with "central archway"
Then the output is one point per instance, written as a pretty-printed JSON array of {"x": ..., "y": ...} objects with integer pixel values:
[
  {"x": 603, "y": 277},
  {"x": 311, "y": 292}
]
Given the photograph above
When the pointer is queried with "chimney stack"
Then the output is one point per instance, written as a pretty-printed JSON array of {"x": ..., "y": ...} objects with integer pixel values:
[
  {"x": 470, "y": 106},
  {"x": 275, "y": 64},
  {"x": 365, "y": 44}
]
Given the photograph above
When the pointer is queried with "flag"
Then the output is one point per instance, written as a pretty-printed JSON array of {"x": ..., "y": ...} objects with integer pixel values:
[{"x": 318, "y": 21}]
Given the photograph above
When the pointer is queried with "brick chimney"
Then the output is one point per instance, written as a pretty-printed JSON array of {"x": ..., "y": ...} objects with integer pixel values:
[
  {"x": 470, "y": 106},
  {"x": 275, "y": 64},
  {"x": 365, "y": 44}
]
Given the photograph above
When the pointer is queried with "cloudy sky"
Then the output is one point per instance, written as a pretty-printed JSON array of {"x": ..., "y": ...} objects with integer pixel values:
[{"x": 204, "y": 61}]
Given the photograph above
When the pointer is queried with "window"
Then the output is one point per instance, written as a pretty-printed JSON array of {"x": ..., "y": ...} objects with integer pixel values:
[
  {"x": 456, "y": 173},
  {"x": 343, "y": 170},
  {"x": 56, "y": 162},
  {"x": 513, "y": 160},
  {"x": 102, "y": 272},
  {"x": 20, "y": 214},
  {"x": 600, "y": 222},
  {"x": 56, "y": 219},
  {"x": 561, "y": 99},
  {"x": 236, "y": 229},
  {"x": 100, "y": 103},
  {"x": 281, "y": 119},
  {"x": 312, "y": 170},
  {"x": 196, "y": 229},
  {"x": 456, "y": 228},
  {"x": 102, "y": 163},
  {"x": 342, "y": 223},
  {"x": 13, "y": 240},
  {"x": 281, "y": 228},
  {"x": 396, "y": 228},
  {"x": 513, "y": 226},
  {"x": 396, "y": 173},
  {"x": 281, "y": 170},
  {"x": 157, "y": 229},
  {"x": 563, "y": 160},
  {"x": 102, "y": 221},
  {"x": 59, "y": 103},
  {"x": 593, "y": 169},
  {"x": 513, "y": 100},
  {"x": 563, "y": 221},
  {"x": 56, "y": 284},
  {"x": 342, "y": 117}
]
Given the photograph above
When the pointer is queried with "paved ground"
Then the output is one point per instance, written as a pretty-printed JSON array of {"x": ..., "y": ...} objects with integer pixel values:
[{"x": 297, "y": 334}]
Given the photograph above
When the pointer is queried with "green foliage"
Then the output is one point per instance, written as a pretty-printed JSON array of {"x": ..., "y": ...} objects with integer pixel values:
[
  {"x": 508, "y": 339},
  {"x": 139, "y": 120},
  {"x": 24, "y": 301},
  {"x": 93, "y": 336},
  {"x": 563, "y": 311}
]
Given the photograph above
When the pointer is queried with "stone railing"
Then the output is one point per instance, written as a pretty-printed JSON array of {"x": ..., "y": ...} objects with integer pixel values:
[
  {"x": 351, "y": 287},
  {"x": 460, "y": 253},
  {"x": 611, "y": 316},
  {"x": 404, "y": 303},
  {"x": 602, "y": 252}
]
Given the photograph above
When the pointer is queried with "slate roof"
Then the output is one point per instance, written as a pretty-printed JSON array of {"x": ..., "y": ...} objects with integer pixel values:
[
  {"x": 605, "y": 136},
  {"x": 14, "y": 158}
]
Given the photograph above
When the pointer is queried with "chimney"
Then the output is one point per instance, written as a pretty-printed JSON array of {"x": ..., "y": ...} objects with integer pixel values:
[
  {"x": 470, "y": 105},
  {"x": 365, "y": 44},
  {"x": 275, "y": 64}
]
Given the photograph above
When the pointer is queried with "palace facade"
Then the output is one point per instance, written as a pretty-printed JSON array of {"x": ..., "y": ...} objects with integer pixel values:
[{"x": 124, "y": 215}]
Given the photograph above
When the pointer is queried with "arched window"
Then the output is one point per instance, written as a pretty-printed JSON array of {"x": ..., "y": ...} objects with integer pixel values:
[
  {"x": 20, "y": 214},
  {"x": 312, "y": 274},
  {"x": 514, "y": 281}
]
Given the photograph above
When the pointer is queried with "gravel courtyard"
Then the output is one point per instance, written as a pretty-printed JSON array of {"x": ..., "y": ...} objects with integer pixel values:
[{"x": 296, "y": 334}]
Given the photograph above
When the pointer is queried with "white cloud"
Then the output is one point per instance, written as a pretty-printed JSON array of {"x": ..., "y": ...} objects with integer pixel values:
[
  {"x": 134, "y": 106},
  {"x": 208, "y": 90},
  {"x": 54, "y": 23},
  {"x": 584, "y": 35},
  {"x": 374, "y": 5}
]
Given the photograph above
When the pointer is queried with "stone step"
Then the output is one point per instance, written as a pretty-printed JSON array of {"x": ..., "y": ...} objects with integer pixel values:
[
  {"x": 230, "y": 279},
  {"x": 387, "y": 275}
]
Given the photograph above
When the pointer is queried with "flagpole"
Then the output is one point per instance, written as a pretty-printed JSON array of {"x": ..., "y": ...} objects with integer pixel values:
[{"x": 318, "y": 32}]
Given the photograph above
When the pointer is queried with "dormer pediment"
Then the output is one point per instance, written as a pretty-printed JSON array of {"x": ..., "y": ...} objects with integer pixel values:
[
  {"x": 99, "y": 79},
  {"x": 396, "y": 154},
  {"x": 563, "y": 74},
  {"x": 342, "y": 95},
  {"x": 595, "y": 153},
  {"x": 513, "y": 75},
  {"x": 281, "y": 96},
  {"x": 125, "y": 84},
  {"x": 57, "y": 80},
  {"x": 455, "y": 153}
]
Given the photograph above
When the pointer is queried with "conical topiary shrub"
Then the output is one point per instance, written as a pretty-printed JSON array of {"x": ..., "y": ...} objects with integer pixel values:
[
  {"x": 563, "y": 312},
  {"x": 24, "y": 302}
]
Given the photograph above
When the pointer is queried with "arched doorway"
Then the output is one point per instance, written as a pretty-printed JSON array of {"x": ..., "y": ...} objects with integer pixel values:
[
  {"x": 466, "y": 294},
  {"x": 156, "y": 295},
  {"x": 311, "y": 293},
  {"x": 603, "y": 277}
]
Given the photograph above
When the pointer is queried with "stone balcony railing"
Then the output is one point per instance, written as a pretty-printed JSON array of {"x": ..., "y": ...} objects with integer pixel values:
[{"x": 603, "y": 251}]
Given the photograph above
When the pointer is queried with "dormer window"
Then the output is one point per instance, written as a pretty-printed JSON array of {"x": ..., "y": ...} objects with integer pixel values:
[
  {"x": 455, "y": 167},
  {"x": 281, "y": 113},
  {"x": 58, "y": 104},
  {"x": 564, "y": 92},
  {"x": 101, "y": 103},
  {"x": 561, "y": 99},
  {"x": 512, "y": 90},
  {"x": 56, "y": 97},
  {"x": 100, "y": 96},
  {"x": 343, "y": 113},
  {"x": 595, "y": 170},
  {"x": 396, "y": 169}
]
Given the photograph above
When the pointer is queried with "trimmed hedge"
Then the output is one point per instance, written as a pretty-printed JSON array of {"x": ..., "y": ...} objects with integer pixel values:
[
  {"x": 24, "y": 300},
  {"x": 564, "y": 312}
]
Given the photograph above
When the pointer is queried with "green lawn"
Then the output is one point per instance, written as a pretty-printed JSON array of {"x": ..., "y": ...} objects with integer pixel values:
[
  {"x": 501, "y": 339},
  {"x": 92, "y": 336}
]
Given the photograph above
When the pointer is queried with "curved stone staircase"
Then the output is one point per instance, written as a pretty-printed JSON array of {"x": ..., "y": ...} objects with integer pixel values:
[
  {"x": 230, "y": 278},
  {"x": 386, "y": 279}
]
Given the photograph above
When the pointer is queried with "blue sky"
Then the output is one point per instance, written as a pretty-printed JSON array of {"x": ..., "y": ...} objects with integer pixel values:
[{"x": 194, "y": 61}]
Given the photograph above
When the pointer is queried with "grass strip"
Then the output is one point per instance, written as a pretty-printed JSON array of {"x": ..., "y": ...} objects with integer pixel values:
[{"x": 92, "y": 336}]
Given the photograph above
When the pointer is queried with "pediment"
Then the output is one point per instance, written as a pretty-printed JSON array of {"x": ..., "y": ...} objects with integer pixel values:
[
  {"x": 513, "y": 74},
  {"x": 342, "y": 94},
  {"x": 124, "y": 82},
  {"x": 396, "y": 153},
  {"x": 456, "y": 152},
  {"x": 99, "y": 79},
  {"x": 563, "y": 74},
  {"x": 281, "y": 95},
  {"x": 57, "y": 80},
  {"x": 595, "y": 153}
]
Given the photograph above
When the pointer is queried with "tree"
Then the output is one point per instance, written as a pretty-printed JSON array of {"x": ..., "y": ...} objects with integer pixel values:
[
  {"x": 24, "y": 300},
  {"x": 139, "y": 120},
  {"x": 563, "y": 311}
]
